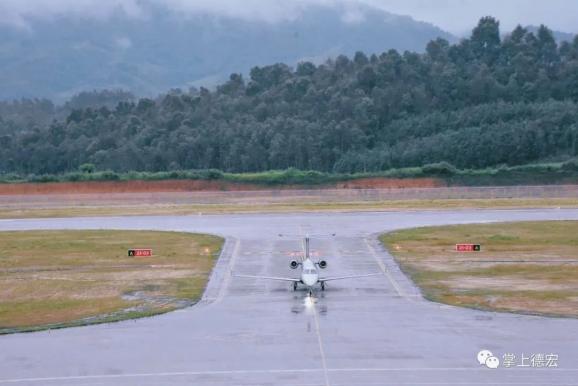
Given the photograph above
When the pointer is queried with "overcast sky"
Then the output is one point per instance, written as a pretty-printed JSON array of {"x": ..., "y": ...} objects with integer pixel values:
[
  {"x": 456, "y": 16},
  {"x": 459, "y": 16}
]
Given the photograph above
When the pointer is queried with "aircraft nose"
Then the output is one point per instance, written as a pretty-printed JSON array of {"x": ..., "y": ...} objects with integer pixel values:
[{"x": 309, "y": 280}]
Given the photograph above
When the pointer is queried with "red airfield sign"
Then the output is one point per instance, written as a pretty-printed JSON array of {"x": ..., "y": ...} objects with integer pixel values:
[
  {"x": 139, "y": 252},
  {"x": 468, "y": 247}
]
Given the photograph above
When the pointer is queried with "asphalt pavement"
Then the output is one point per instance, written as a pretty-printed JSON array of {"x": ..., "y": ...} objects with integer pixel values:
[{"x": 376, "y": 330}]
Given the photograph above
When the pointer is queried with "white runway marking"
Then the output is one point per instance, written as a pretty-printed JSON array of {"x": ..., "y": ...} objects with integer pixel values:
[
  {"x": 229, "y": 273},
  {"x": 321, "y": 350},
  {"x": 289, "y": 371},
  {"x": 385, "y": 270},
  {"x": 316, "y": 319},
  {"x": 500, "y": 383},
  {"x": 151, "y": 375}
]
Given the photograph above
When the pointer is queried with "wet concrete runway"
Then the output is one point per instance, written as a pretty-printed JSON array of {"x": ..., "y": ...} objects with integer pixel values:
[{"x": 371, "y": 331}]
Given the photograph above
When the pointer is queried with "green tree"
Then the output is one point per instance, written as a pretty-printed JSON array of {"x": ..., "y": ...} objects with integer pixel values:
[{"x": 87, "y": 168}]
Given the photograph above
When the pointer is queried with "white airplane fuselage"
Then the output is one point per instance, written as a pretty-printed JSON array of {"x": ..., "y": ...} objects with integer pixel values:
[{"x": 309, "y": 274}]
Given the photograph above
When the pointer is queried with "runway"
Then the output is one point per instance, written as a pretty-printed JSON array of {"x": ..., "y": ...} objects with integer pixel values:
[{"x": 372, "y": 331}]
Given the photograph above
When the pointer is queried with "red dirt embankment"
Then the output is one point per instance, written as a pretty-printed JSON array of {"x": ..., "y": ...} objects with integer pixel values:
[{"x": 202, "y": 185}]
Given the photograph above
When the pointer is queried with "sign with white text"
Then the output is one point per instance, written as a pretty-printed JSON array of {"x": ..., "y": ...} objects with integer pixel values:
[
  {"x": 139, "y": 252},
  {"x": 468, "y": 247}
]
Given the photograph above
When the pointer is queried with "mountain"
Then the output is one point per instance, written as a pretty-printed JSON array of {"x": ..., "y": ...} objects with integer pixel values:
[
  {"x": 57, "y": 58},
  {"x": 558, "y": 35},
  {"x": 480, "y": 103}
]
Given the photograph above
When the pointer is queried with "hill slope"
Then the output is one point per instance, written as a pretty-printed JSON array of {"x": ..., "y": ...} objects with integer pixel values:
[
  {"x": 480, "y": 103},
  {"x": 57, "y": 58}
]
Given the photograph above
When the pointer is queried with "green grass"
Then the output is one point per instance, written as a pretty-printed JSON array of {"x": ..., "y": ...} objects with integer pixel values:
[
  {"x": 525, "y": 267},
  {"x": 54, "y": 279}
]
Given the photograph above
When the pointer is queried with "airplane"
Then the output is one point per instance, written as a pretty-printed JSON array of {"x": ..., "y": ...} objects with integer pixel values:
[{"x": 310, "y": 276}]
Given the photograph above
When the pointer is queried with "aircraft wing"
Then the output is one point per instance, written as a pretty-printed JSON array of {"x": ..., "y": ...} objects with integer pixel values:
[
  {"x": 269, "y": 278},
  {"x": 348, "y": 277}
]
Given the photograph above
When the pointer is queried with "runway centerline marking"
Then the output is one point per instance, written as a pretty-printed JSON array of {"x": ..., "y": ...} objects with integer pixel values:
[
  {"x": 321, "y": 350},
  {"x": 317, "y": 328}
]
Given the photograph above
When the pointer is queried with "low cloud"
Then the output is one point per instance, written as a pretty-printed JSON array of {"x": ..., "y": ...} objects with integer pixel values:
[
  {"x": 457, "y": 16},
  {"x": 21, "y": 12},
  {"x": 123, "y": 43}
]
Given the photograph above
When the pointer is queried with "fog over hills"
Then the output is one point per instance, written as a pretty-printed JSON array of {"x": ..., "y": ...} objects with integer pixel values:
[
  {"x": 61, "y": 55},
  {"x": 558, "y": 35}
]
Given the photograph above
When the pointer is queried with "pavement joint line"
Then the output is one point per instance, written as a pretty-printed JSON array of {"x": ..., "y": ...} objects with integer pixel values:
[
  {"x": 385, "y": 270},
  {"x": 283, "y": 371}
]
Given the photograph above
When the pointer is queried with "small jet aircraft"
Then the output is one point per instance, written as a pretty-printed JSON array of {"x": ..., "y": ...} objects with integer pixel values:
[{"x": 309, "y": 273}]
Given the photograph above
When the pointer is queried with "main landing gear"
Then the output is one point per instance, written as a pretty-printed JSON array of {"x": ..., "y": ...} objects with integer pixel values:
[
  {"x": 322, "y": 286},
  {"x": 295, "y": 286}
]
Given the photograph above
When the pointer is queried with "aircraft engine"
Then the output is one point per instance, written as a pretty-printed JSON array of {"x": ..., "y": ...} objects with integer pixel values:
[
  {"x": 294, "y": 264},
  {"x": 322, "y": 264}
]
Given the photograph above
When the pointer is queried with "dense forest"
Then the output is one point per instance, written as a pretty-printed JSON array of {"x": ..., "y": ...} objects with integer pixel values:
[{"x": 485, "y": 101}]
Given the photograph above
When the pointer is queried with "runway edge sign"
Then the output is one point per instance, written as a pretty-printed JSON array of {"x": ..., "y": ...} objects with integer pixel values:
[{"x": 140, "y": 252}]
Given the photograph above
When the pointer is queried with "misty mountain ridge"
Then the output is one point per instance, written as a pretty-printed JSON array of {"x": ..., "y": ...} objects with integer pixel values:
[
  {"x": 558, "y": 35},
  {"x": 57, "y": 58}
]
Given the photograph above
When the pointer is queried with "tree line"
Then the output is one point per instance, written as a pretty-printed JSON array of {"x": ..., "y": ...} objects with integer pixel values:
[{"x": 482, "y": 102}]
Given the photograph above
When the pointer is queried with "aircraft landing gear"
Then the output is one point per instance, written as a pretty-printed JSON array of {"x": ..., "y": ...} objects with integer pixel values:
[
  {"x": 322, "y": 286},
  {"x": 295, "y": 286}
]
